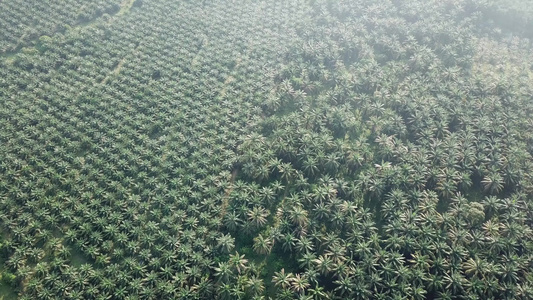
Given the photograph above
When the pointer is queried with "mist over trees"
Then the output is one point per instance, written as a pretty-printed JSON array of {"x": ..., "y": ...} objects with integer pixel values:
[{"x": 306, "y": 149}]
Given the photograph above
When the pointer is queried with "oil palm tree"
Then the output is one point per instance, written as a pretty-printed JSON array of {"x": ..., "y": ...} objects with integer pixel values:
[
  {"x": 255, "y": 285},
  {"x": 492, "y": 182},
  {"x": 282, "y": 279},
  {"x": 223, "y": 272},
  {"x": 262, "y": 245},
  {"x": 226, "y": 242},
  {"x": 258, "y": 216},
  {"x": 238, "y": 262}
]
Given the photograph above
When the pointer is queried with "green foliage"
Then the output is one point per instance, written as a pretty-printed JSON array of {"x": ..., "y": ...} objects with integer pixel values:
[
  {"x": 24, "y": 22},
  {"x": 252, "y": 149},
  {"x": 8, "y": 279},
  {"x": 513, "y": 16}
]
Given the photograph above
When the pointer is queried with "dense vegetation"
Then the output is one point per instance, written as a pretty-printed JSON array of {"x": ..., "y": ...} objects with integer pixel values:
[
  {"x": 24, "y": 21},
  {"x": 305, "y": 149}
]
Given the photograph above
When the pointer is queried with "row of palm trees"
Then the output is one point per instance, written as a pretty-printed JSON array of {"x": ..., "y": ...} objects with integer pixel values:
[
  {"x": 392, "y": 167},
  {"x": 117, "y": 152},
  {"x": 326, "y": 151},
  {"x": 25, "y": 21}
]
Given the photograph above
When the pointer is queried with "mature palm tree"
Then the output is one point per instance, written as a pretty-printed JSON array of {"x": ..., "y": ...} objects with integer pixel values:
[
  {"x": 258, "y": 216},
  {"x": 232, "y": 220},
  {"x": 255, "y": 285},
  {"x": 337, "y": 252},
  {"x": 298, "y": 216},
  {"x": 321, "y": 211},
  {"x": 224, "y": 291},
  {"x": 325, "y": 264},
  {"x": 262, "y": 245},
  {"x": 287, "y": 241},
  {"x": 238, "y": 262},
  {"x": 299, "y": 283},
  {"x": 223, "y": 272},
  {"x": 344, "y": 285},
  {"x": 492, "y": 205},
  {"x": 282, "y": 279},
  {"x": 226, "y": 242},
  {"x": 310, "y": 166},
  {"x": 454, "y": 282},
  {"x": 492, "y": 182}
]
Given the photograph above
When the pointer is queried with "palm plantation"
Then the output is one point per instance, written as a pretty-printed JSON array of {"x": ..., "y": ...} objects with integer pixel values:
[{"x": 266, "y": 149}]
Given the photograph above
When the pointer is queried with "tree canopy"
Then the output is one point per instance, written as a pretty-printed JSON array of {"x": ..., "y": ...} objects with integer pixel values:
[{"x": 307, "y": 149}]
